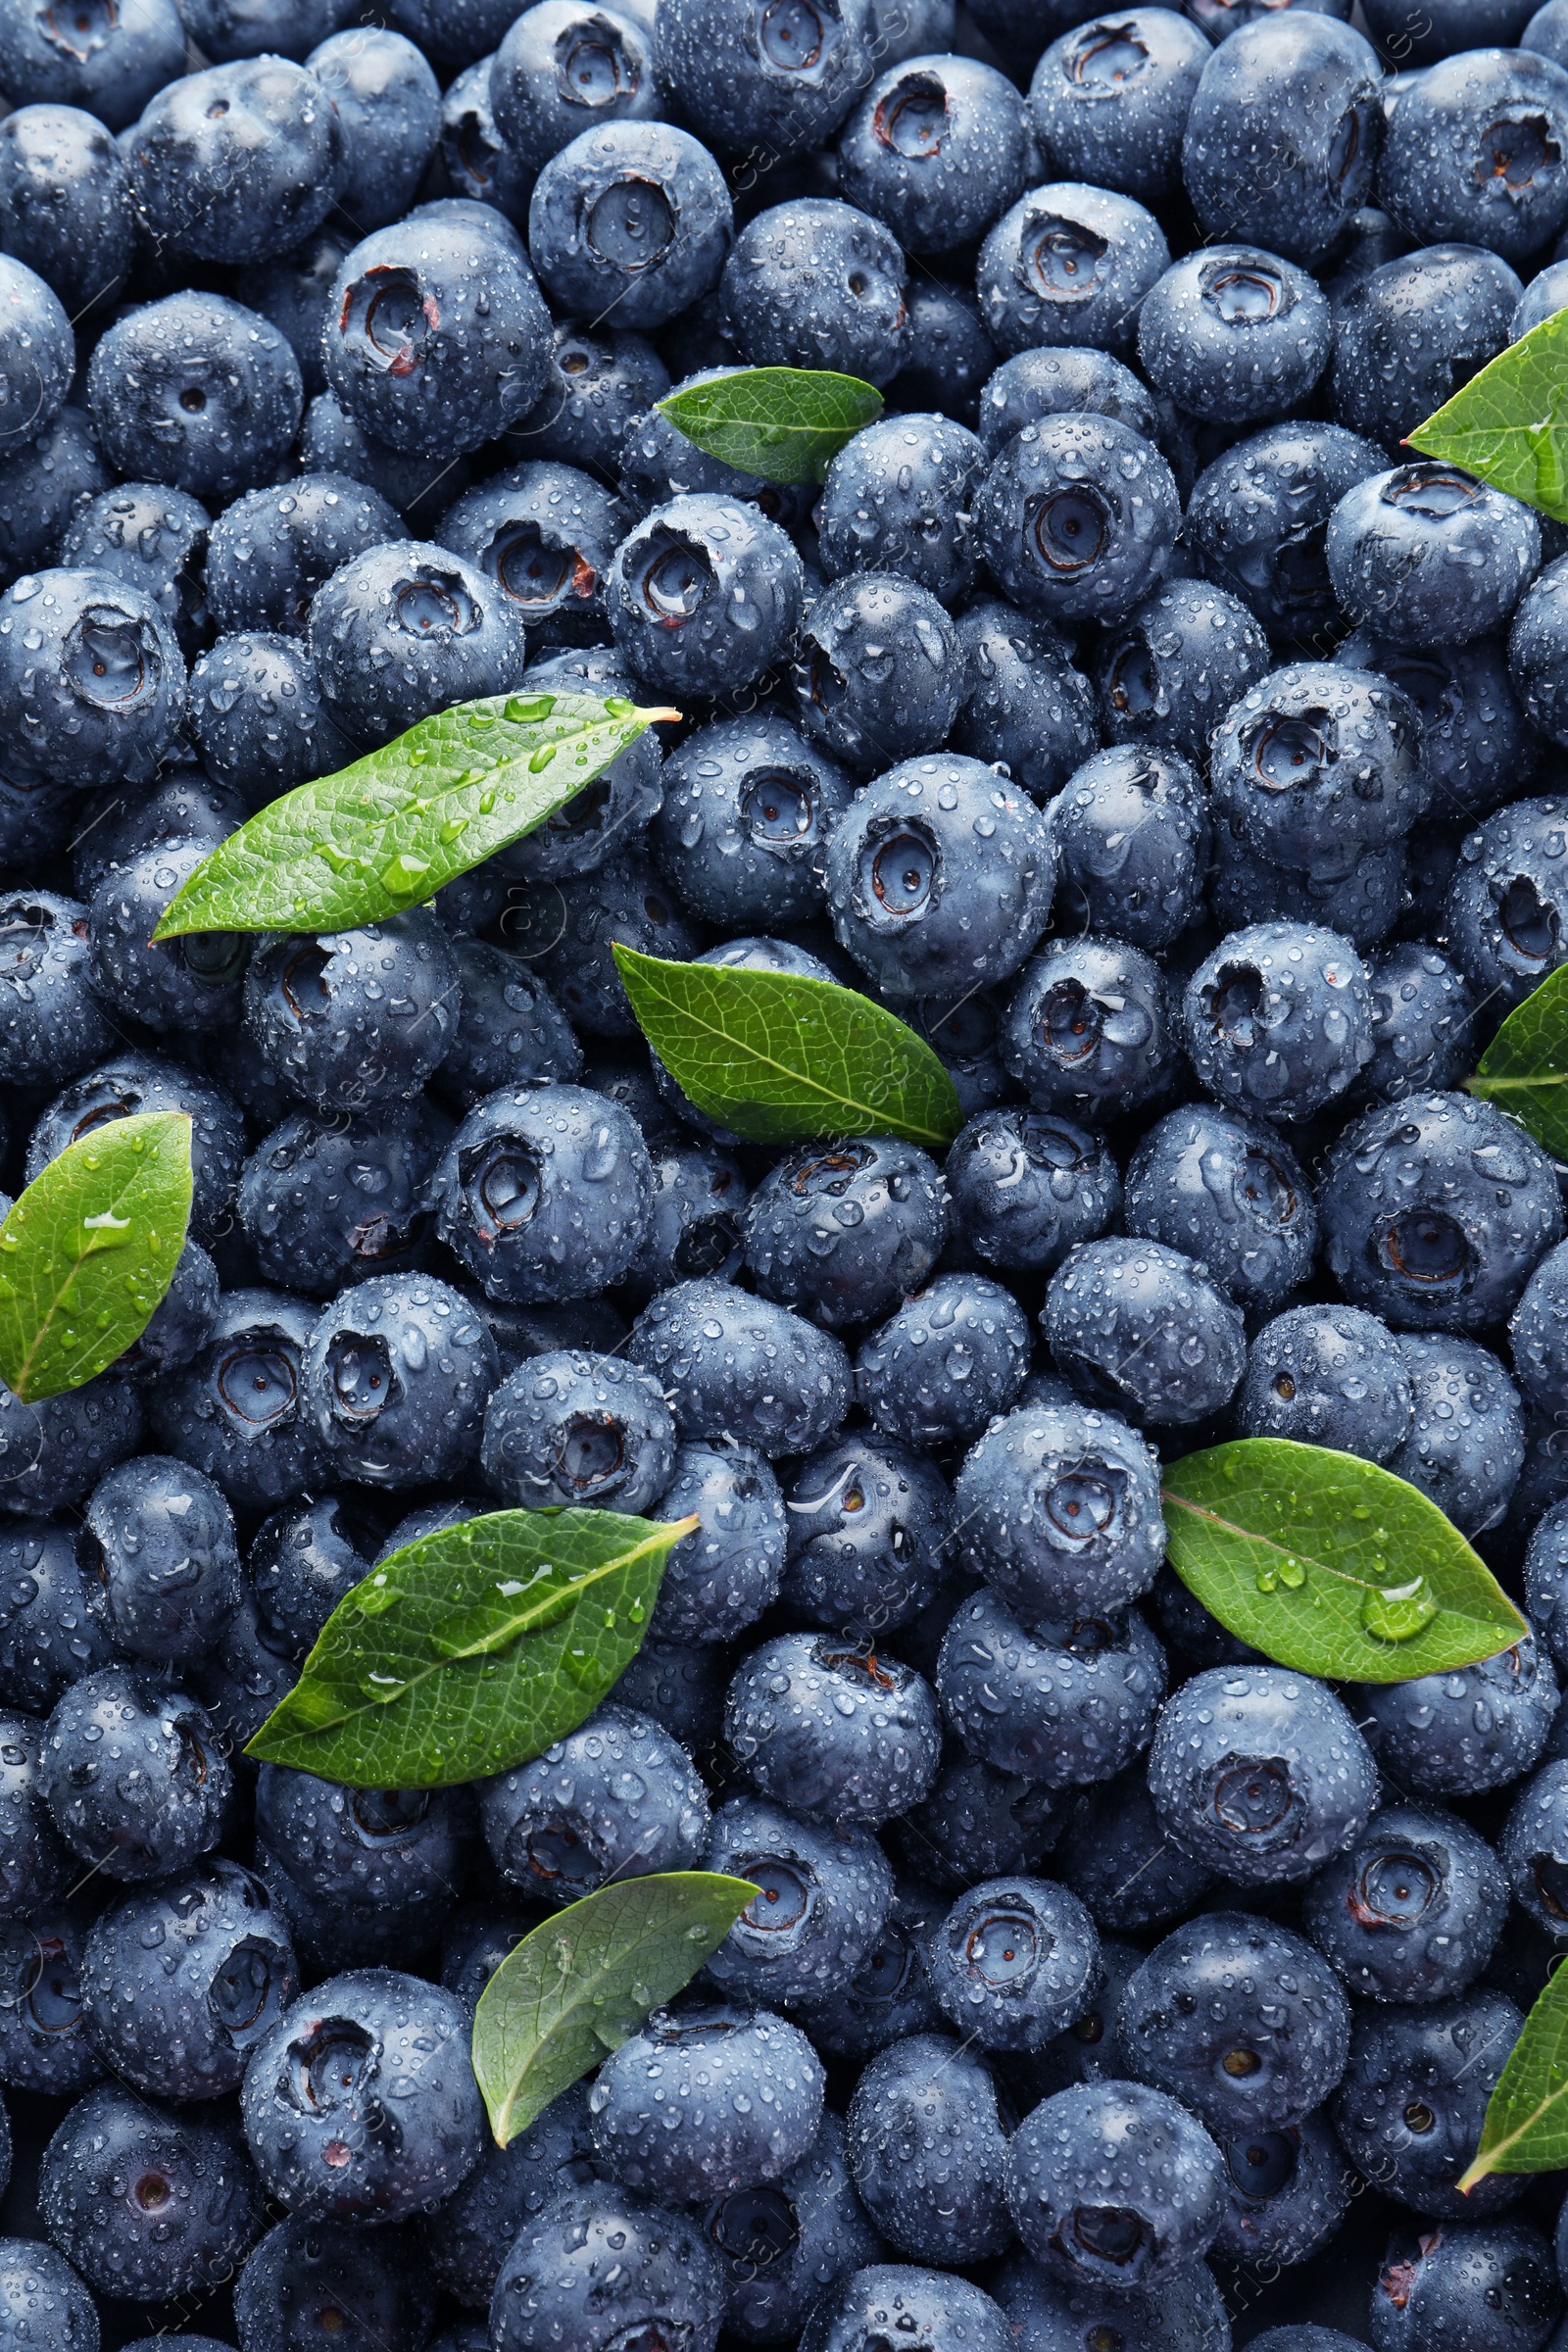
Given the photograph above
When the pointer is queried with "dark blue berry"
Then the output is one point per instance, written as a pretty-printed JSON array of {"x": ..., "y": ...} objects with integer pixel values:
[
  {"x": 927, "y": 2146},
  {"x": 1260, "y": 1773}
]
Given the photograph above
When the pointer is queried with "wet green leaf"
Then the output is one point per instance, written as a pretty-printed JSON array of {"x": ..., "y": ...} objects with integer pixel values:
[
  {"x": 584, "y": 1982},
  {"x": 1330, "y": 1564},
  {"x": 1524, "y": 1068},
  {"x": 781, "y": 1060},
  {"x": 89, "y": 1250},
  {"x": 470, "y": 1650},
  {"x": 784, "y": 423},
  {"x": 1509, "y": 424},
  {"x": 1525, "y": 2127}
]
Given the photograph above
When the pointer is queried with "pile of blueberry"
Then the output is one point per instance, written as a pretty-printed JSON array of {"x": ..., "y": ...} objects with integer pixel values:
[{"x": 1131, "y": 713}]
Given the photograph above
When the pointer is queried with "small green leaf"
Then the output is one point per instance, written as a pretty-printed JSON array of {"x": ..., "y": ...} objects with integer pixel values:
[
  {"x": 1330, "y": 1564},
  {"x": 780, "y": 1060},
  {"x": 1525, "y": 2127},
  {"x": 390, "y": 831},
  {"x": 469, "y": 1650},
  {"x": 1524, "y": 1068},
  {"x": 1509, "y": 424},
  {"x": 784, "y": 423},
  {"x": 89, "y": 1250},
  {"x": 584, "y": 1982}
]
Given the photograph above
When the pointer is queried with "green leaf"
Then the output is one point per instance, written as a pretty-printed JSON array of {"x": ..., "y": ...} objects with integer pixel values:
[
  {"x": 89, "y": 1250},
  {"x": 469, "y": 1650},
  {"x": 780, "y": 1060},
  {"x": 1525, "y": 2127},
  {"x": 1524, "y": 1068},
  {"x": 1328, "y": 1564},
  {"x": 1509, "y": 424},
  {"x": 389, "y": 831},
  {"x": 583, "y": 1982},
  {"x": 784, "y": 423}
]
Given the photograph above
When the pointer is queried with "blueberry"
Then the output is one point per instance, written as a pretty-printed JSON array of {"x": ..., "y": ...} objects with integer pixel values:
[
  {"x": 898, "y": 498},
  {"x": 1260, "y": 1773},
  {"x": 1454, "y": 1734},
  {"x": 1507, "y": 909},
  {"x": 271, "y": 550},
  {"x": 1015, "y": 1962},
  {"x": 844, "y": 1734},
  {"x": 889, "y": 1996},
  {"x": 292, "y": 293},
  {"x": 107, "y": 63},
  {"x": 935, "y": 2307},
  {"x": 1466, "y": 1446},
  {"x": 778, "y": 2243},
  {"x": 165, "y": 1805},
  {"x": 1421, "y": 1015},
  {"x": 91, "y": 678},
  {"x": 310, "y": 2282},
  {"x": 704, "y": 596},
  {"x": 1494, "y": 2287},
  {"x": 1257, "y": 516},
  {"x": 695, "y": 1227},
  {"x": 196, "y": 392},
  {"x": 1473, "y": 152},
  {"x": 1068, "y": 264},
  {"x": 1110, "y": 100},
  {"x": 681, "y": 1684},
  {"x": 567, "y": 60},
  {"x": 881, "y": 672},
  {"x": 34, "y": 1866},
  {"x": 53, "y": 1452},
  {"x": 1115, "y": 1856},
  {"x": 395, "y": 1374},
  {"x": 1279, "y": 1019},
  {"x": 237, "y": 1411},
  {"x": 325, "y": 1201},
  {"x": 315, "y": 2093},
  {"x": 980, "y": 1821},
  {"x": 652, "y": 462},
  {"x": 867, "y": 1537},
  {"x": 1078, "y": 515},
  {"x": 1046, "y": 2314},
  {"x": 1064, "y": 1701},
  {"x": 49, "y": 1638},
  {"x": 618, "y": 1796},
  {"x": 823, "y": 1897},
  {"x": 238, "y": 163},
  {"x": 1411, "y": 1911},
  {"x": 44, "y": 2042},
  {"x": 1140, "y": 1324},
  {"x": 304, "y": 1558},
  {"x": 1435, "y": 1210},
  {"x": 759, "y": 2103},
  {"x": 743, "y": 1368},
  {"x": 1029, "y": 710},
  {"x": 1024, "y": 1187},
  {"x": 936, "y": 149},
  {"x": 158, "y": 1561},
  {"x": 1132, "y": 838},
  {"x": 1317, "y": 762},
  {"x": 753, "y": 78},
  {"x": 477, "y": 164},
  {"x": 147, "y": 2204},
  {"x": 545, "y": 533},
  {"x": 748, "y": 803},
  {"x": 1411, "y": 2107},
  {"x": 1287, "y": 2193},
  {"x": 405, "y": 629},
  {"x": 927, "y": 2146},
  {"x": 1411, "y": 333},
  {"x": 65, "y": 203},
  {"x": 190, "y": 984},
  {"x": 1226, "y": 1189},
  {"x": 1330, "y": 1376},
  {"x": 631, "y": 219},
  {"x": 1114, "y": 2140},
  {"x": 1087, "y": 1030},
  {"x": 843, "y": 1234},
  {"x": 721, "y": 1578},
  {"x": 508, "y": 1193},
  {"x": 573, "y": 1429},
  {"x": 1283, "y": 135},
  {"x": 259, "y": 719},
  {"x": 52, "y": 1027},
  {"x": 598, "y": 380},
  {"x": 419, "y": 486},
  {"x": 1048, "y": 382},
  {"x": 948, "y": 1360},
  {"x": 599, "y": 2253},
  {"x": 318, "y": 1009},
  {"x": 1059, "y": 1509},
  {"x": 1429, "y": 555},
  {"x": 606, "y": 817},
  {"x": 154, "y": 539},
  {"x": 388, "y": 102},
  {"x": 367, "y": 1851},
  {"x": 1235, "y": 334}
]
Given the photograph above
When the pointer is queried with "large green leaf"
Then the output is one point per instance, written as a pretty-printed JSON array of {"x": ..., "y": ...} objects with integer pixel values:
[
  {"x": 1509, "y": 424},
  {"x": 1524, "y": 1068},
  {"x": 1330, "y": 1564},
  {"x": 780, "y": 1060},
  {"x": 784, "y": 423},
  {"x": 1525, "y": 2127},
  {"x": 390, "y": 831},
  {"x": 584, "y": 1982},
  {"x": 470, "y": 1650},
  {"x": 89, "y": 1250}
]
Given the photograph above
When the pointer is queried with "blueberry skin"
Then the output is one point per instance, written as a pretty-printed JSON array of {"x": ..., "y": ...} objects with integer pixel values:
[
  {"x": 1544, "y": 296},
  {"x": 1141, "y": 1325},
  {"x": 52, "y": 1027},
  {"x": 898, "y": 498},
  {"x": 304, "y": 2267},
  {"x": 1068, "y": 264},
  {"x": 1508, "y": 909},
  {"x": 1429, "y": 555},
  {"x": 238, "y": 163},
  {"x": 353, "y": 2040},
  {"x": 510, "y": 1193},
  {"x": 844, "y": 1735},
  {"x": 237, "y": 1411},
  {"x": 124, "y": 62},
  {"x": 1110, "y": 100},
  {"x": 49, "y": 1638},
  {"x": 545, "y": 533},
  {"x": 1059, "y": 1510},
  {"x": 1494, "y": 2287},
  {"x": 598, "y": 380},
  {"x": 1466, "y": 1446},
  {"x": 435, "y": 335},
  {"x": 1287, "y": 2194},
  {"x": 721, "y": 1578},
  {"x": 1234, "y": 333},
  {"x": 1115, "y": 1856},
  {"x": 572, "y": 1428},
  {"x": 165, "y": 1806},
  {"x": 1436, "y": 1211},
  {"x": 508, "y": 2188},
  {"x": 695, "y": 1225},
  {"x": 1535, "y": 647},
  {"x": 747, "y": 805},
  {"x": 601, "y": 2256},
  {"x": 1078, "y": 515},
  {"x": 1015, "y": 1962},
  {"x": 740, "y": 1368},
  {"x": 936, "y": 147},
  {"x": 1412, "y": 1909},
  {"x": 292, "y": 293},
  {"x": 881, "y": 673},
  {"x": 618, "y": 1796},
  {"x": 180, "y": 1981},
  {"x": 1422, "y": 1009},
  {"x": 976, "y": 1822},
  {"x": 1241, "y": 2020},
  {"x": 1316, "y": 763},
  {"x": 824, "y": 1897},
  {"x": 231, "y": 28},
  {"x": 1132, "y": 839},
  {"x": 1453, "y": 134},
  {"x": 196, "y": 392},
  {"x": 133, "y": 1082},
  {"x": 1411, "y": 2107},
  {"x": 1228, "y": 1191},
  {"x": 1088, "y": 1031},
  {"x": 259, "y": 719},
  {"x": 477, "y": 164},
  {"x": 1029, "y": 709},
  {"x": 1046, "y": 381},
  {"x": 1098, "y": 2141},
  {"x": 1260, "y": 1773},
  {"x": 1330, "y": 1376},
  {"x": 564, "y": 60},
  {"x": 842, "y": 1235},
  {"x": 324, "y": 1203},
  {"x": 406, "y": 629},
  {"x": 158, "y": 1560},
  {"x": 53, "y": 1452},
  {"x": 1319, "y": 79},
  {"x": 395, "y": 1374},
  {"x": 763, "y": 2086},
  {"x": 1279, "y": 1019},
  {"x": 1256, "y": 517},
  {"x": 1534, "y": 1849},
  {"x": 153, "y": 538},
  {"x": 927, "y": 2148},
  {"x": 143, "y": 2245},
  {"x": 889, "y": 1997},
  {"x": 1411, "y": 332},
  {"x": 938, "y": 877},
  {"x": 862, "y": 2309},
  {"x": 1545, "y": 1574},
  {"x": 418, "y": 485},
  {"x": 60, "y": 632},
  {"x": 366, "y": 1849},
  {"x": 1451, "y": 1735},
  {"x": 677, "y": 584},
  {"x": 44, "y": 2042},
  {"x": 1024, "y": 1187},
  {"x": 778, "y": 2243},
  {"x": 304, "y": 1558},
  {"x": 1078, "y": 1697},
  {"x": 773, "y": 87},
  {"x": 188, "y": 985},
  {"x": 35, "y": 1867},
  {"x": 389, "y": 103},
  {"x": 1044, "y": 2314},
  {"x": 867, "y": 1537},
  {"x": 274, "y": 548},
  {"x": 41, "y": 484},
  {"x": 65, "y": 203},
  {"x": 632, "y": 218},
  {"x": 945, "y": 1361},
  {"x": 318, "y": 1009}
]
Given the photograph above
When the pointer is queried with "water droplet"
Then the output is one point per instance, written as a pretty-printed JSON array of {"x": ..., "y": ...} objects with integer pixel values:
[{"x": 1399, "y": 1612}]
